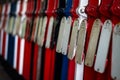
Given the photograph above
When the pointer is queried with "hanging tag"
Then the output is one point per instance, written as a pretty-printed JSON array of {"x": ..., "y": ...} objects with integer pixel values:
[
  {"x": 43, "y": 31},
  {"x": 66, "y": 35},
  {"x": 17, "y": 25},
  {"x": 93, "y": 43},
  {"x": 7, "y": 23},
  {"x": 36, "y": 29},
  {"x": 81, "y": 42},
  {"x": 49, "y": 34},
  {"x": 115, "y": 66},
  {"x": 23, "y": 28},
  {"x": 60, "y": 36},
  {"x": 103, "y": 47},
  {"x": 72, "y": 47},
  {"x": 10, "y": 28},
  {"x": 39, "y": 30}
]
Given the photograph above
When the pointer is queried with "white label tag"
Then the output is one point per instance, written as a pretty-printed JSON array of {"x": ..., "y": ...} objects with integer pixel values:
[
  {"x": 7, "y": 23},
  {"x": 60, "y": 36},
  {"x": 39, "y": 30},
  {"x": 43, "y": 31},
  {"x": 1, "y": 21},
  {"x": 103, "y": 46},
  {"x": 115, "y": 68},
  {"x": 12, "y": 21},
  {"x": 66, "y": 35},
  {"x": 36, "y": 29},
  {"x": 72, "y": 46},
  {"x": 17, "y": 25},
  {"x": 22, "y": 28},
  {"x": 49, "y": 33},
  {"x": 93, "y": 43},
  {"x": 81, "y": 42}
]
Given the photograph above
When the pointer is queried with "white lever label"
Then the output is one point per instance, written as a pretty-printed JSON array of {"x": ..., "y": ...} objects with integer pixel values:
[
  {"x": 36, "y": 29},
  {"x": 39, "y": 30},
  {"x": 72, "y": 47},
  {"x": 66, "y": 35},
  {"x": 93, "y": 43},
  {"x": 43, "y": 31},
  {"x": 103, "y": 46},
  {"x": 49, "y": 33},
  {"x": 60, "y": 36},
  {"x": 115, "y": 71},
  {"x": 81, "y": 42}
]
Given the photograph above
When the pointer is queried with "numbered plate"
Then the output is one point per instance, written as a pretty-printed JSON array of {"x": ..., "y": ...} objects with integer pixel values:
[
  {"x": 11, "y": 27},
  {"x": 93, "y": 43},
  {"x": 115, "y": 68},
  {"x": 39, "y": 30},
  {"x": 103, "y": 46},
  {"x": 72, "y": 47},
  {"x": 22, "y": 28},
  {"x": 43, "y": 31},
  {"x": 60, "y": 36},
  {"x": 17, "y": 25},
  {"x": 49, "y": 33},
  {"x": 81, "y": 42},
  {"x": 36, "y": 29},
  {"x": 66, "y": 35}
]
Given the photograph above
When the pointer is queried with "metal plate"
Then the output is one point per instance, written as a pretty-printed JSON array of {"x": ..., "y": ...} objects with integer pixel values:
[
  {"x": 72, "y": 46},
  {"x": 103, "y": 46},
  {"x": 11, "y": 25},
  {"x": 17, "y": 25},
  {"x": 39, "y": 30},
  {"x": 36, "y": 29},
  {"x": 43, "y": 31},
  {"x": 115, "y": 67},
  {"x": 66, "y": 35},
  {"x": 60, "y": 36},
  {"x": 81, "y": 42},
  {"x": 22, "y": 28},
  {"x": 93, "y": 43},
  {"x": 49, "y": 33}
]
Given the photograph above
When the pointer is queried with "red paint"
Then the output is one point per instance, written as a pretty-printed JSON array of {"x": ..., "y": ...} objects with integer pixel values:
[
  {"x": 92, "y": 12},
  {"x": 50, "y": 53},
  {"x": 27, "y": 58},
  {"x": 35, "y": 61}
]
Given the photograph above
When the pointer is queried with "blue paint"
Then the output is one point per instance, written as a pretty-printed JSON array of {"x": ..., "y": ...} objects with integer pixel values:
[
  {"x": 65, "y": 60},
  {"x": 11, "y": 39}
]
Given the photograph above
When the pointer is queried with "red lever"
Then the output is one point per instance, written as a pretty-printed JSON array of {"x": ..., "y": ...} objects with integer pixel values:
[
  {"x": 74, "y": 7},
  {"x": 50, "y": 7},
  {"x": 92, "y": 8},
  {"x": 105, "y": 8},
  {"x": 116, "y": 8}
]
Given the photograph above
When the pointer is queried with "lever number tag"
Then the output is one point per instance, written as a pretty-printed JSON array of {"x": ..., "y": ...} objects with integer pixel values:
[
  {"x": 66, "y": 35},
  {"x": 93, "y": 43},
  {"x": 49, "y": 34},
  {"x": 39, "y": 30},
  {"x": 43, "y": 31},
  {"x": 23, "y": 28},
  {"x": 17, "y": 25},
  {"x": 60, "y": 36},
  {"x": 103, "y": 47},
  {"x": 72, "y": 47},
  {"x": 12, "y": 21},
  {"x": 115, "y": 72},
  {"x": 81, "y": 42}
]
